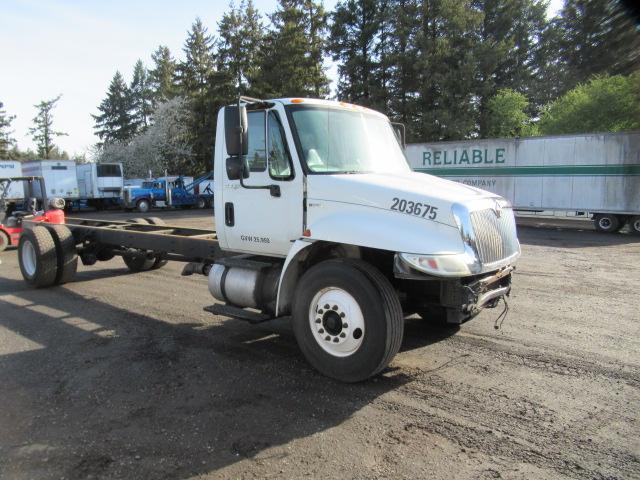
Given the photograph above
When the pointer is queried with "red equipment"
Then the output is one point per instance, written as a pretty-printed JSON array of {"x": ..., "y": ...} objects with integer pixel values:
[{"x": 11, "y": 218}]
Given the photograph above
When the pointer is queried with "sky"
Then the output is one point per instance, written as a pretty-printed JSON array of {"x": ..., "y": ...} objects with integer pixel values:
[{"x": 73, "y": 48}]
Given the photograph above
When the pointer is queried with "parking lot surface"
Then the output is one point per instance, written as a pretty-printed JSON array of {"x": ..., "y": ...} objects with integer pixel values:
[{"x": 121, "y": 375}]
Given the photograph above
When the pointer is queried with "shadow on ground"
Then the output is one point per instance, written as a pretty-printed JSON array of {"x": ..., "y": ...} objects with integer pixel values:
[
  {"x": 572, "y": 238},
  {"x": 97, "y": 391}
]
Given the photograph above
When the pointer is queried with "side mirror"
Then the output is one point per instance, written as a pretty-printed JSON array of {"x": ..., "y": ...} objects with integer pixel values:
[
  {"x": 236, "y": 131},
  {"x": 236, "y": 168}
]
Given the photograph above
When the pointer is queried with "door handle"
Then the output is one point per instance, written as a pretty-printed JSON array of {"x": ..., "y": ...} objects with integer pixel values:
[{"x": 229, "y": 217}]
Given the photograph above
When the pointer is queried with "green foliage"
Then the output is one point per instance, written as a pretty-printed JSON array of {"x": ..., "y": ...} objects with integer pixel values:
[
  {"x": 141, "y": 97},
  {"x": 6, "y": 139},
  {"x": 356, "y": 33},
  {"x": 162, "y": 77},
  {"x": 115, "y": 122},
  {"x": 42, "y": 131},
  {"x": 604, "y": 104},
  {"x": 598, "y": 37},
  {"x": 240, "y": 35},
  {"x": 292, "y": 53},
  {"x": 507, "y": 115}
]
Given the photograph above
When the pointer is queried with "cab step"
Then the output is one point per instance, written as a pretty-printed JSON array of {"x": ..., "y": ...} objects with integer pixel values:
[{"x": 238, "y": 313}]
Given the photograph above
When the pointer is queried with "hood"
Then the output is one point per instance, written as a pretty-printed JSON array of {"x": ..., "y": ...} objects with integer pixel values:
[{"x": 403, "y": 192}]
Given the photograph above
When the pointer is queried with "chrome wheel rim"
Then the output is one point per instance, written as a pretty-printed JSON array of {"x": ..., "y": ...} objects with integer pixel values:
[
  {"x": 28, "y": 257},
  {"x": 336, "y": 322}
]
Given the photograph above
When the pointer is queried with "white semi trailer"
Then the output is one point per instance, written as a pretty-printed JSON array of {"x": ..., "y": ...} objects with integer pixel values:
[
  {"x": 592, "y": 174},
  {"x": 15, "y": 190},
  {"x": 321, "y": 221},
  {"x": 100, "y": 184},
  {"x": 59, "y": 177}
]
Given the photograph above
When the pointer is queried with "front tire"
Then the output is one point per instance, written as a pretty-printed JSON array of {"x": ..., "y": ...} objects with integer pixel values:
[
  {"x": 143, "y": 206},
  {"x": 347, "y": 319},
  {"x": 634, "y": 223},
  {"x": 37, "y": 257}
]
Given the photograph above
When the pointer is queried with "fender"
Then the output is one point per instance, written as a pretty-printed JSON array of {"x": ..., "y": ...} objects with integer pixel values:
[{"x": 288, "y": 275}]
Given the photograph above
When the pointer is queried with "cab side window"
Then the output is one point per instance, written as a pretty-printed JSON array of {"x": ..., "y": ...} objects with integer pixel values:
[
  {"x": 279, "y": 160},
  {"x": 256, "y": 156}
]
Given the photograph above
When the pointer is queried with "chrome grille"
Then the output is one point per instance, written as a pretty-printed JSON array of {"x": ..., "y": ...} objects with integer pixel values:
[{"x": 495, "y": 236}]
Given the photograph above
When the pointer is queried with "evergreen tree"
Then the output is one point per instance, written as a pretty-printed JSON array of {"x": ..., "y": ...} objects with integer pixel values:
[
  {"x": 195, "y": 70},
  {"x": 291, "y": 57},
  {"x": 355, "y": 31},
  {"x": 447, "y": 69},
  {"x": 599, "y": 37},
  {"x": 6, "y": 138},
  {"x": 404, "y": 27},
  {"x": 115, "y": 122},
  {"x": 196, "y": 74},
  {"x": 162, "y": 77},
  {"x": 42, "y": 131},
  {"x": 141, "y": 97},
  {"x": 240, "y": 35},
  {"x": 509, "y": 51}
]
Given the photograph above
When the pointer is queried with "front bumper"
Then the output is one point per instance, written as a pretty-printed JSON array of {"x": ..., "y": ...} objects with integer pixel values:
[{"x": 463, "y": 300}]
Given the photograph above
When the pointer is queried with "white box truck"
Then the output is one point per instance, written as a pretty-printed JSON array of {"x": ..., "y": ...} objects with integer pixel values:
[
  {"x": 100, "y": 184},
  {"x": 12, "y": 168},
  {"x": 596, "y": 174},
  {"x": 59, "y": 177},
  {"x": 321, "y": 222}
]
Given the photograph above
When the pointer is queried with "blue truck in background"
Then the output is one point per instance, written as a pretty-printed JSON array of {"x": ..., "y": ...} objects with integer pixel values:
[{"x": 170, "y": 192}]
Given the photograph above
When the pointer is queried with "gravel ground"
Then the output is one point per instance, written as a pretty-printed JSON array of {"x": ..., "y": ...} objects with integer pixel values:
[{"x": 122, "y": 375}]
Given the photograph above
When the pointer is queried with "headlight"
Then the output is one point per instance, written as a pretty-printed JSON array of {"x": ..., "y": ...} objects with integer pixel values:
[{"x": 445, "y": 265}]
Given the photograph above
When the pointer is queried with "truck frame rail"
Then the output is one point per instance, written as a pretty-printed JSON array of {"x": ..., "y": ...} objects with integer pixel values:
[{"x": 180, "y": 243}]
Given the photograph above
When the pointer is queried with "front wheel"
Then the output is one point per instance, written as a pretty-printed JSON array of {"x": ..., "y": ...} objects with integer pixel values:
[
  {"x": 143, "y": 206},
  {"x": 347, "y": 319}
]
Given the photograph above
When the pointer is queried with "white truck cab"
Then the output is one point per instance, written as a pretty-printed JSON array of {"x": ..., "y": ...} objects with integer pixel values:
[{"x": 340, "y": 233}]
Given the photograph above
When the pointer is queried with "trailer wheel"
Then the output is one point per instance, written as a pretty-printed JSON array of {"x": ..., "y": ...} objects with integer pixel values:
[
  {"x": 67, "y": 256},
  {"x": 634, "y": 223},
  {"x": 4, "y": 241},
  {"x": 160, "y": 262},
  {"x": 143, "y": 206},
  {"x": 347, "y": 319},
  {"x": 606, "y": 222},
  {"x": 37, "y": 257}
]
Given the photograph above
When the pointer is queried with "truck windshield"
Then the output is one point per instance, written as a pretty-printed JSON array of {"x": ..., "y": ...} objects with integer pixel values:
[{"x": 333, "y": 140}]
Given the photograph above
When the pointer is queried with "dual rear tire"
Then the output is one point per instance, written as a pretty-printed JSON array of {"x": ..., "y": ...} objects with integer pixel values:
[{"x": 47, "y": 255}]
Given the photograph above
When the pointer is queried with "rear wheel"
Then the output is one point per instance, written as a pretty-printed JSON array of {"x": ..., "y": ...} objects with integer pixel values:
[
  {"x": 67, "y": 256},
  {"x": 347, "y": 319},
  {"x": 37, "y": 257},
  {"x": 634, "y": 223},
  {"x": 606, "y": 222},
  {"x": 202, "y": 203},
  {"x": 160, "y": 262}
]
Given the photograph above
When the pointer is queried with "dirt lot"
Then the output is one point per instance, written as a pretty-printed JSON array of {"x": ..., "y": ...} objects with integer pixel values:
[{"x": 122, "y": 375}]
